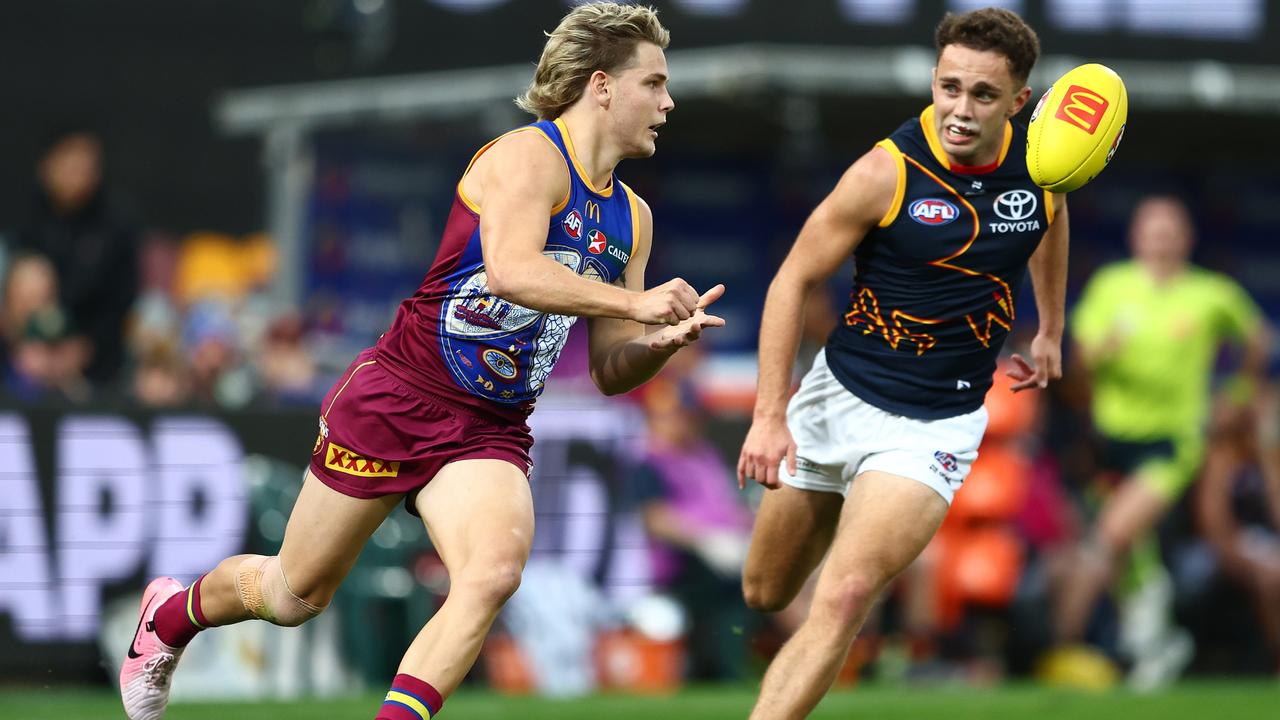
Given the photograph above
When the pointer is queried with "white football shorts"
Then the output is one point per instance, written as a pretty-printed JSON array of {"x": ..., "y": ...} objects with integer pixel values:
[{"x": 839, "y": 436}]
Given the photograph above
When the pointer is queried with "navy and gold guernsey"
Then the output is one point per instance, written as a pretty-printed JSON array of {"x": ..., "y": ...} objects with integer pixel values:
[{"x": 935, "y": 280}]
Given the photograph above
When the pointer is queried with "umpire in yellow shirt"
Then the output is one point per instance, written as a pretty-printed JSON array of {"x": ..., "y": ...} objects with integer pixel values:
[{"x": 1149, "y": 331}]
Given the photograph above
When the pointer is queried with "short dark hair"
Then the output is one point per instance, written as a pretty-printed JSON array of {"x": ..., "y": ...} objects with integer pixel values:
[{"x": 992, "y": 29}]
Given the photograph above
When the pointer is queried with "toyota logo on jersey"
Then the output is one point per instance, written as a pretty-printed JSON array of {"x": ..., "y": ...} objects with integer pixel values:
[
  {"x": 596, "y": 242},
  {"x": 1015, "y": 204},
  {"x": 573, "y": 224},
  {"x": 932, "y": 211}
]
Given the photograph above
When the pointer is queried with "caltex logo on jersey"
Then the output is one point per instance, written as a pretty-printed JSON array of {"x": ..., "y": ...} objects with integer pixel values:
[
  {"x": 932, "y": 211},
  {"x": 596, "y": 242},
  {"x": 573, "y": 224}
]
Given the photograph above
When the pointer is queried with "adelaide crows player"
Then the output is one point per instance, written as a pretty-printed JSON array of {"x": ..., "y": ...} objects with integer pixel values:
[
  {"x": 541, "y": 232},
  {"x": 943, "y": 221}
]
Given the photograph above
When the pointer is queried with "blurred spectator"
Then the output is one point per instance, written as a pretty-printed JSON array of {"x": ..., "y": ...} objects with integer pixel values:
[
  {"x": 1148, "y": 331},
  {"x": 205, "y": 330},
  {"x": 162, "y": 378},
  {"x": 91, "y": 246},
  {"x": 42, "y": 360},
  {"x": 1238, "y": 507},
  {"x": 218, "y": 373},
  {"x": 214, "y": 266},
  {"x": 286, "y": 370},
  {"x": 699, "y": 527},
  {"x": 161, "y": 375}
]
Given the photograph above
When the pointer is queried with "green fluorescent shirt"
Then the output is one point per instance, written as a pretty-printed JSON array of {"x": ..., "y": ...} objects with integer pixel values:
[{"x": 1155, "y": 381}]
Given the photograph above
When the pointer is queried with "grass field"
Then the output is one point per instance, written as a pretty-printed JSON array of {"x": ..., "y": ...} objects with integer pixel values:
[{"x": 1228, "y": 700}]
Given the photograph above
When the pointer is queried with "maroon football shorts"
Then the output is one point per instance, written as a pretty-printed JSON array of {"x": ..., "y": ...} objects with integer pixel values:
[{"x": 379, "y": 436}]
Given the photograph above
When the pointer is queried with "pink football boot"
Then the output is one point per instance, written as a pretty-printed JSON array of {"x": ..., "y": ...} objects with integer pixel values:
[{"x": 145, "y": 675}]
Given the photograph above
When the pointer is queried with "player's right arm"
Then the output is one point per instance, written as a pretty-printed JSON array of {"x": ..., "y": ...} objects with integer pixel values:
[
  {"x": 517, "y": 183},
  {"x": 832, "y": 232}
]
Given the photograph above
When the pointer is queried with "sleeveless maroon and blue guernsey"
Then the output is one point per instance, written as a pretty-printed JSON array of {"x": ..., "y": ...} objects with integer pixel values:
[
  {"x": 934, "y": 286},
  {"x": 454, "y": 339}
]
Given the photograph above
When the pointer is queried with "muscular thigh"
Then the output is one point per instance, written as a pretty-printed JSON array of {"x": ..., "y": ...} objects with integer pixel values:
[
  {"x": 325, "y": 535},
  {"x": 478, "y": 511},
  {"x": 793, "y": 529},
  {"x": 886, "y": 522}
]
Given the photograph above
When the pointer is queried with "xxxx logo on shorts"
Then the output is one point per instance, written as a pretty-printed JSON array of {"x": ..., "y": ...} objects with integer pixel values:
[{"x": 351, "y": 463}]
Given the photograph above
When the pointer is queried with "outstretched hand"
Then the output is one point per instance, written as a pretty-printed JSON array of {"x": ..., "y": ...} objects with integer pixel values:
[
  {"x": 670, "y": 303},
  {"x": 1046, "y": 353},
  {"x": 687, "y": 332}
]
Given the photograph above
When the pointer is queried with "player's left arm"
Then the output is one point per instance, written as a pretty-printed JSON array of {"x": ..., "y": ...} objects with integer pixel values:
[
  {"x": 1247, "y": 390},
  {"x": 624, "y": 354},
  {"x": 1267, "y": 439},
  {"x": 1257, "y": 353},
  {"x": 1245, "y": 321},
  {"x": 1048, "y": 266},
  {"x": 1241, "y": 321}
]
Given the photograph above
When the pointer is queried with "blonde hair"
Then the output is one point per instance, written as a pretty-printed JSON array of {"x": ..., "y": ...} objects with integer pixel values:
[{"x": 593, "y": 36}]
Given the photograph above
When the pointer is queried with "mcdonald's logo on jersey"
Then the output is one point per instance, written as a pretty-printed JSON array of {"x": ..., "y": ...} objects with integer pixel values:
[
  {"x": 1083, "y": 108},
  {"x": 593, "y": 210}
]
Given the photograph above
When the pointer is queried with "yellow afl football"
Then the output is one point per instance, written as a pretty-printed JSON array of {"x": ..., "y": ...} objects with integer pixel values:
[{"x": 1076, "y": 128}]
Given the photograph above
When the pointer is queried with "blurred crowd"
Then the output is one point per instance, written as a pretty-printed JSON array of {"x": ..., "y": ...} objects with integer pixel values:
[
  {"x": 1122, "y": 526},
  {"x": 97, "y": 309},
  {"x": 1086, "y": 543}
]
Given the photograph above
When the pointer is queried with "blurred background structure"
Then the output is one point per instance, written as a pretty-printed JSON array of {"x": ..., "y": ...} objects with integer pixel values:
[{"x": 209, "y": 208}]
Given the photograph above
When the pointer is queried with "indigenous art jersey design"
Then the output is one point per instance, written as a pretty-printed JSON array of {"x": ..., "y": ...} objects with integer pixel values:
[
  {"x": 934, "y": 285},
  {"x": 454, "y": 334}
]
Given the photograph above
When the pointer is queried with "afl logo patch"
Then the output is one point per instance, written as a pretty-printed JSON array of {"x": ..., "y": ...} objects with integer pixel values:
[
  {"x": 1115, "y": 145},
  {"x": 1040, "y": 105},
  {"x": 573, "y": 224},
  {"x": 947, "y": 461},
  {"x": 500, "y": 363},
  {"x": 932, "y": 211},
  {"x": 596, "y": 242}
]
